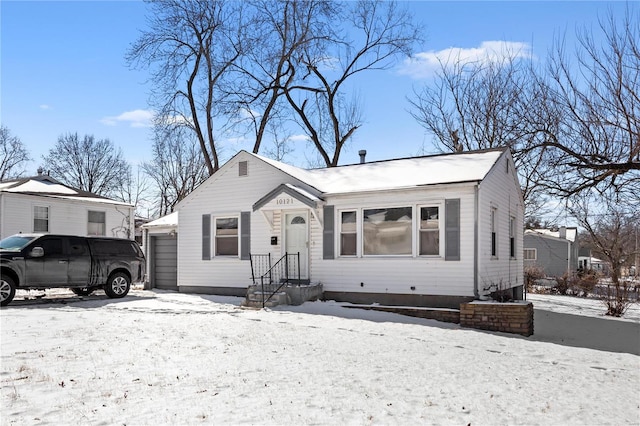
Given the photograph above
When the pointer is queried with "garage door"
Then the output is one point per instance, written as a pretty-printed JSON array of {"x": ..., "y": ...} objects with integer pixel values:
[{"x": 164, "y": 262}]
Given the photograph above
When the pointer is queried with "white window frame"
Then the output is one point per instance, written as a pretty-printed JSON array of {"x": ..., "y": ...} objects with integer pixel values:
[
  {"x": 418, "y": 219},
  {"x": 104, "y": 224},
  {"x": 356, "y": 232},
  {"x": 35, "y": 217},
  {"x": 215, "y": 235},
  {"x": 412, "y": 230},
  {"x": 530, "y": 250}
]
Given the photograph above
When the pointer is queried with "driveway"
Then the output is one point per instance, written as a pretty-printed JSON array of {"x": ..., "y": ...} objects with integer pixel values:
[{"x": 604, "y": 334}]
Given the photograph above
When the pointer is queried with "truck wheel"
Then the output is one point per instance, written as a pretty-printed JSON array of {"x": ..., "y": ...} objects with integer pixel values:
[
  {"x": 117, "y": 285},
  {"x": 7, "y": 290},
  {"x": 84, "y": 291}
]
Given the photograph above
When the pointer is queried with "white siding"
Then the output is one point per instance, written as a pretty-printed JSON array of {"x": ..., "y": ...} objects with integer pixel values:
[
  {"x": 500, "y": 190},
  {"x": 227, "y": 193},
  {"x": 428, "y": 275},
  {"x": 65, "y": 216}
]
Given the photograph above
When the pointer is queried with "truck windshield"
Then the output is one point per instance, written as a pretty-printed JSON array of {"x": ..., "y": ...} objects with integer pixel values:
[{"x": 16, "y": 242}]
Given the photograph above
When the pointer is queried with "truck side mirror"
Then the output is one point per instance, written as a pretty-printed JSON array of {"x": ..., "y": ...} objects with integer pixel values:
[{"x": 37, "y": 252}]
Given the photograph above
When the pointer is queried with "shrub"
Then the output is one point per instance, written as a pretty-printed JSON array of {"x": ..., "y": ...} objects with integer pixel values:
[
  {"x": 532, "y": 273},
  {"x": 617, "y": 298},
  {"x": 586, "y": 283}
]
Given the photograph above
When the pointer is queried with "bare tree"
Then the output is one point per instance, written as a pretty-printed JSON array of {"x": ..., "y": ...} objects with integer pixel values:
[
  {"x": 177, "y": 167},
  {"x": 189, "y": 49},
  {"x": 595, "y": 92},
  {"x": 611, "y": 229},
  {"x": 134, "y": 189},
  {"x": 88, "y": 164},
  {"x": 281, "y": 31},
  {"x": 486, "y": 103},
  {"x": 377, "y": 34},
  {"x": 13, "y": 155}
]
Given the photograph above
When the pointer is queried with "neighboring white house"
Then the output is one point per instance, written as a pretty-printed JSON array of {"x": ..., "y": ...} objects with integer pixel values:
[
  {"x": 41, "y": 204},
  {"x": 424, "y": 231}
]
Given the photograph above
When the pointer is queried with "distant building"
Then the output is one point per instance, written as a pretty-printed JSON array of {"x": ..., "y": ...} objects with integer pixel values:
[
  {"x": 41, "y": 204},
  {"x": 556, "y": 251}
]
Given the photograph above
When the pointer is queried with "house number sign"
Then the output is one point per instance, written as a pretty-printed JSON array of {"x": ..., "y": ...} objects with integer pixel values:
[{"x": 284, "y": 201}]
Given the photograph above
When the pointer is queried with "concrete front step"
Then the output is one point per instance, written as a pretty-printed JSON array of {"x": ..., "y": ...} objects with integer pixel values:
[
  {"x": 255, "y": 299},
  {"x": 286, "y": 295}
]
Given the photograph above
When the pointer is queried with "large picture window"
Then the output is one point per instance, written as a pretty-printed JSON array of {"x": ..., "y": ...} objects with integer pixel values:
[
  {"x": 226, "y": 236},
  {"x": 348, "y": 233},
  {"x": 429, "y": 231},
  {"x": 40, "y": 219},
  {"x": 387, "y": 231},
  {"x": 97, "y": 223}
]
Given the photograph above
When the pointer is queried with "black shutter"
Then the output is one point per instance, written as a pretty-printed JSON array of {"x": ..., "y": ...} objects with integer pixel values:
[
  {"x": 327, "y": 233},
  {"x": 206, "y": 237},
  {"x": 245, "y": 235},
  {"x": 452, "y": 229}
]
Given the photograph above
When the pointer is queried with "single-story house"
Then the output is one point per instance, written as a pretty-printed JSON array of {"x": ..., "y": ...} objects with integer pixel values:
[
  {"x": 41, "y": 204},
  {"x": 160, "y": 245},
  {"x": 424, "y": 231},
  {"x": 554, "y": 250}
]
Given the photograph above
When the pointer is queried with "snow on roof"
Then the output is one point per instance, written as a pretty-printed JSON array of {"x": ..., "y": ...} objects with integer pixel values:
[
  {"x": 48, "y": 187},
  {"x": 38, "y": 186},
  {"x": 168, "y": 220},
  {"x": 393, "y": 174},
  {"x": 572, "y": 233}
]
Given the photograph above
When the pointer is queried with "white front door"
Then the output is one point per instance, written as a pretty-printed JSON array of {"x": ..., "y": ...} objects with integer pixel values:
[{"x": 297, "y": 239}]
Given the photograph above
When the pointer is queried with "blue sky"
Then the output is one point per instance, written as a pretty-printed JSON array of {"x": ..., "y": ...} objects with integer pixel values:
[{"x": 63, "y": 69}]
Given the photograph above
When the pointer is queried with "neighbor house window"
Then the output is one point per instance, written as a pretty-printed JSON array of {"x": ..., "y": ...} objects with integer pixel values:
[
  {"x": 530, "y": 254},
  {"x": 97, "y": 223},
  {"x": 387, "y": 231},
  {"x": 40, "y": 219},
  {"x": 494, "y": 229},
  {"x": 429, "y": 231},
  {"x": 512, "y": 236},
  {"x": 348, "y": 233},
  {"x": 226, "y": 236}
]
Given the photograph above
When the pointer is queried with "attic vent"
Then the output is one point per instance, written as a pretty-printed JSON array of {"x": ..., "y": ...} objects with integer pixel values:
[{"x": 242, "y": 168}]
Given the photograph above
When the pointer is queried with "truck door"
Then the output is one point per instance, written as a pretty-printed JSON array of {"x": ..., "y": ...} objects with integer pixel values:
[
  {"x": 79, "y": 265},
  {"x": 50, "y": 269}
]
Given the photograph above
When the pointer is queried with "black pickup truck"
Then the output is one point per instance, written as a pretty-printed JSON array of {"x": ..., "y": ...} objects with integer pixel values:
[{"x": 83, "y": 264}]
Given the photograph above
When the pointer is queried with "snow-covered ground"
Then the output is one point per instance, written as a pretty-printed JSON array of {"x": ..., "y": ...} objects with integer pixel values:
[{"x": 168, "y": 358}]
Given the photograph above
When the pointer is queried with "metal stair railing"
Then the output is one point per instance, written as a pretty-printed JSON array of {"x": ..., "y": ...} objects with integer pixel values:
[
  {"x": 260, "y": 264},
  {"x": 286, "y": 269}
]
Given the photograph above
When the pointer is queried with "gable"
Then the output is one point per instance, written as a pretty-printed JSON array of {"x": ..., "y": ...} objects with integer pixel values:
[{"x": 287, "y": 195}]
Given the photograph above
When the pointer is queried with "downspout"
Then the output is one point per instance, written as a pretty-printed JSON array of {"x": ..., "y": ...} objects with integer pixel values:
[{"x": 476, "y": 294}]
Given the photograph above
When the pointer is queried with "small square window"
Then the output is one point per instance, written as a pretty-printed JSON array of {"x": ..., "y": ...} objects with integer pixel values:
[{"x": 530, "y": 254}]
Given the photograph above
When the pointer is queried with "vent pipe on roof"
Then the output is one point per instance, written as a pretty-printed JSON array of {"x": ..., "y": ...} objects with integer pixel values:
[
  {"x": 362, "y": 153},
  {"x": 40, "y": 171}
]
